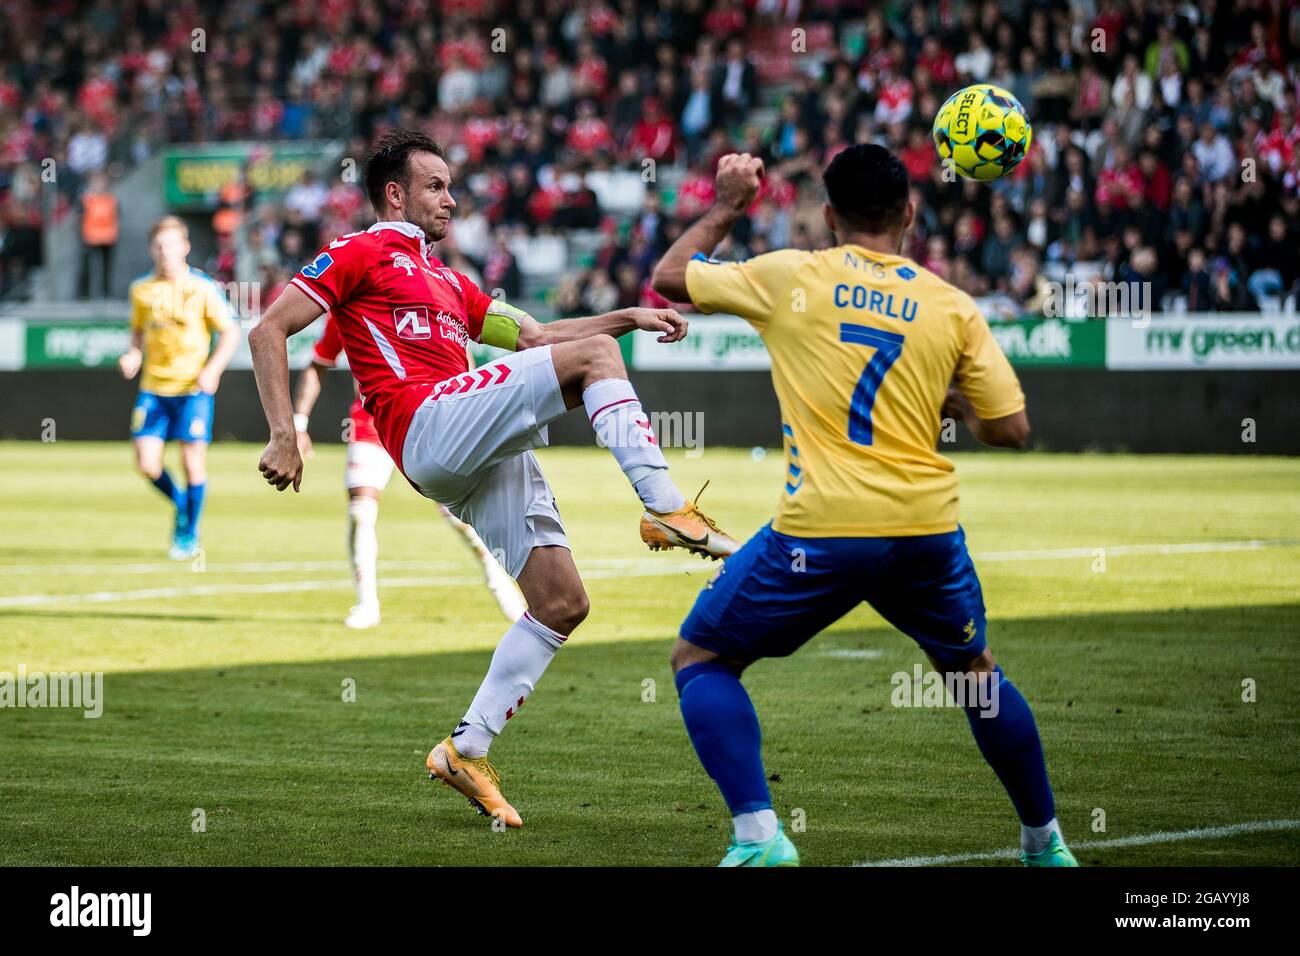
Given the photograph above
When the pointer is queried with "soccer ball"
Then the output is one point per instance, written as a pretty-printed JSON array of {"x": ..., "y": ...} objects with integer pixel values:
[{"x": 982, "y": 131}]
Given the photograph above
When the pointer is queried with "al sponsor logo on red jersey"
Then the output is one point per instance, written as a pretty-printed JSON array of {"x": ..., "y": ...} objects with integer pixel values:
[{"x": 412, "y": 322}]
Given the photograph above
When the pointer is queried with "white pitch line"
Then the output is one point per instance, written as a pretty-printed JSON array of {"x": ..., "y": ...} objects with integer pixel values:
[
  {"x": 270, "y": 567},
  {"x": 249, "y": 567},
  {"x": 1141, "y": 839},
  {"x": 655, "y": 569},
  {"x": 264, "y": 567},
  {"x": 1192, "y": 547},
  {"x": 594, "y": 569}
]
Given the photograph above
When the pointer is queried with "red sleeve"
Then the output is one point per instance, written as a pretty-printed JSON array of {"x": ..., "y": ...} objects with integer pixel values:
[
  {"x": 329, "y": 345},
  {"x": 336, "y": 273},
  {"x": 476, "y": 306}
]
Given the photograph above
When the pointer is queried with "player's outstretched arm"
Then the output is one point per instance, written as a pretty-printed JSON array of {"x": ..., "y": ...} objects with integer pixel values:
[
  {"x": 736, "y": 185},
  {"x": 293, "y": 311},
  {"x": 1009, "y": 431},
  {"x": 668, "y": 322}
]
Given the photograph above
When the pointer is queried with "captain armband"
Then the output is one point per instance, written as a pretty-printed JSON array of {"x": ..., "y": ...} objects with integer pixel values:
[{"x": 501, "y": 325}]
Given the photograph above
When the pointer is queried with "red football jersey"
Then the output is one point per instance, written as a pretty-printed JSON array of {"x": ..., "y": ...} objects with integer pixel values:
[
  {"x": 326, "y": 351},
  {"x": 403, "y": 316}
]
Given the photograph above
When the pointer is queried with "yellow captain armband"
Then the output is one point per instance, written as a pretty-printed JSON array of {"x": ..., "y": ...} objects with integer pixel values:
[{"x": 501, "y": 325}]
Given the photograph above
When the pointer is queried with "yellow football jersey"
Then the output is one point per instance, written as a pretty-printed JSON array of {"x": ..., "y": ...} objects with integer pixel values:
[
  {"x": 177, "y": 318},
  {"x": 863, "y": 347}
]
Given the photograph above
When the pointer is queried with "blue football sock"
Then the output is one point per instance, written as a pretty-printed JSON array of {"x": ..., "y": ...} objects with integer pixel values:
[
  {"x": 723, "y": 726},
  {"x": 168, "y": 487},
  {"x": 194, "y": 506},
  {"x": 1009, "y": 742}
]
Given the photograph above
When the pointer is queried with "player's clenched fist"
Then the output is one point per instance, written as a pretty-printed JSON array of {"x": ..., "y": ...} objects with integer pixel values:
[
  {"x": 667, "y": 321},
  {"x": 281, "y": 465},
  {"x": 737, "y": 180}
]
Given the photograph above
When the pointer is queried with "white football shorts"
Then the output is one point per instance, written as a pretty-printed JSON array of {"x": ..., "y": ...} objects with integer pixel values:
[
  {"x": 470, "y": 446},
  {"x": 368, "y": 466}
]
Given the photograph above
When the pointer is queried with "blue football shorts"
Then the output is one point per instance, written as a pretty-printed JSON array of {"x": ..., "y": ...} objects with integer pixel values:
[
  {"x": 778, "y": 591},
  {"x": 173, "y": 417}
]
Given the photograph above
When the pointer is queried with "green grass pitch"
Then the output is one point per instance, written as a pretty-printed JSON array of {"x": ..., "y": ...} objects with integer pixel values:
[{"x": 224, "y": 682}]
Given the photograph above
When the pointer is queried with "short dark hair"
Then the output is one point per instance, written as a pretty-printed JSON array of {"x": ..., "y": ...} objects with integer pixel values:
[
  {"x": 868, "y": 187},
  {"x": 389, "y": 161}
]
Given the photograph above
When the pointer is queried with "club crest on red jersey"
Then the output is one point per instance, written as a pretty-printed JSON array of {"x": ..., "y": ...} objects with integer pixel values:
[{"x": 402, "y": 261}]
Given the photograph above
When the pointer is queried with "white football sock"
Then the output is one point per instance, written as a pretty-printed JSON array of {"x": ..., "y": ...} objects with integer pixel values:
[
  {"x": 756, "y": 827},
  {"x": 517, "y": 665},
  {"x": 622, "y": 426},
  {"x": 363, "y": 548},
  {"x": 499, "y": 581},
  {"x": 1036, "y": 839}
]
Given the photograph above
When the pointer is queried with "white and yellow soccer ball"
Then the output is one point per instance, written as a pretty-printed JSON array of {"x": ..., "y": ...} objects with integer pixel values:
[{"x": 982, "y": 132}]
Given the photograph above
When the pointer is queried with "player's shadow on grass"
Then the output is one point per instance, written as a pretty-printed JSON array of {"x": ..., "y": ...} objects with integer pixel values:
[
  {"x": 105, "y": 616},
  {"x": 152, "y": 555},
  {"x": 322, "y": 761}
]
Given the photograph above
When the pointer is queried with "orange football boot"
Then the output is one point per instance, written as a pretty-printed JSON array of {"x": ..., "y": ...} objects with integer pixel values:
[
  {"x": 688, "y": 527},
  {"x": 476, "y": 779}
]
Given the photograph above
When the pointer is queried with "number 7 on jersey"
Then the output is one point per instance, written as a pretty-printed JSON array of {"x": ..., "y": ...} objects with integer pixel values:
[{"x": 888, "y": 346}]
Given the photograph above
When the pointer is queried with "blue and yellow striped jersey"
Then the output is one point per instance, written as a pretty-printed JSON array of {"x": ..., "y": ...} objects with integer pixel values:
[
  {"x": 177, "y": 318},
  {"x": 864, "y": 347}
]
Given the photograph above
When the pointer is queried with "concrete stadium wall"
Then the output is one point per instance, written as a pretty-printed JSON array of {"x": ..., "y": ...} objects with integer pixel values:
[{"x": 1070, "y": 410}]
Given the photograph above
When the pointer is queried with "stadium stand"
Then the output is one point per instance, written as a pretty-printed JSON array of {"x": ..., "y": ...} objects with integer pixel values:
[{"x": 583, "y": 133}]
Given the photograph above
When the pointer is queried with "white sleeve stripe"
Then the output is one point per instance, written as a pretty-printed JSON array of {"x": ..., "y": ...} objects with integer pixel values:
[{"x": 306, "y": 288}]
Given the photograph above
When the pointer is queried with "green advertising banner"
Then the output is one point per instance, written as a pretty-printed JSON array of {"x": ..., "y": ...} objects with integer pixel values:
[
  {"x": 75, "y": 344},
  {"x": 194, "y": 176},
  {"x": 1224, "y": 341},
  {"x": 727, "y": 343},
  {"x": 1035, "y": 342}
]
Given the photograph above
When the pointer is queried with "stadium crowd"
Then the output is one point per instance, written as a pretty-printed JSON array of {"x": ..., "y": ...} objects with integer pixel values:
[{"x": 1166, "y": 146}]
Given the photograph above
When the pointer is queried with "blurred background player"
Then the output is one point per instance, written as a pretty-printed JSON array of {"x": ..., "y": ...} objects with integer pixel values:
[
  {"x": 175, "y": 311},
  {"x": 369, "y": 469},
  {"x": 864, "y": 346}
]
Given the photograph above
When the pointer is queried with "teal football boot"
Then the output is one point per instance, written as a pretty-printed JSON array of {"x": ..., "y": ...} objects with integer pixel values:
[
  {"x": 1056, "y": 854},
  {"x": 778, "y": 851}
]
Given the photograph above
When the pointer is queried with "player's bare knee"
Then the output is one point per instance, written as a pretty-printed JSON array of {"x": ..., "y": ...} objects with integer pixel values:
[
  {"x": 563, "y": 610},
  {"x": 684, "y": 654},
  {"x": 984, "y": 664},
  {"x": 603, "y": 359}
]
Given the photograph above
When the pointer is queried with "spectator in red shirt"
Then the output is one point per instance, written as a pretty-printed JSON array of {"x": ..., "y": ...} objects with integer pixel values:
[
  {"x": 918, "y": 157},
  {"x": 1157, "y": 185},
  {"x": 1118, "y": 184},
  {"x": 591, "y": 78},
  {"x": 653, "y": 135},
  {"x": 588, "y": 133},
  {"x": 696, "y": 193},
  {"x": 937, "y": 62}
]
